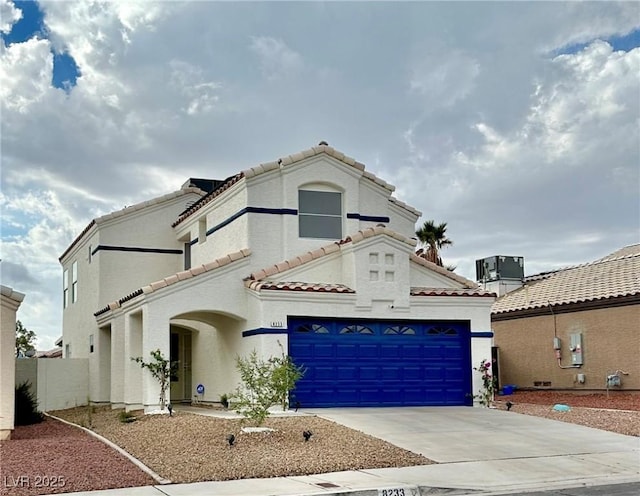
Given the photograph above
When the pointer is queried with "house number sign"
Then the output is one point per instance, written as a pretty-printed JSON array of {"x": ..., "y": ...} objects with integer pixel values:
[{"x": 277, "y": 323}]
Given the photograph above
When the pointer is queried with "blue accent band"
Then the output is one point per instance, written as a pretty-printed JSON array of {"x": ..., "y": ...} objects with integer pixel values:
[
  {"x": 263, "y": 330},
  {"x": 368, "y": 218},
  {"x": 481, "y": 334},
  {"x": 136, "y": 249},
  {"x": 252, "y": 210}
]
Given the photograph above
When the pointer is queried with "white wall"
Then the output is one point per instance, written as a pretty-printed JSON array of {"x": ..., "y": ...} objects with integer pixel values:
[
  {"x": 57, "y": 383},
  {"x": 10, "y": 301}
]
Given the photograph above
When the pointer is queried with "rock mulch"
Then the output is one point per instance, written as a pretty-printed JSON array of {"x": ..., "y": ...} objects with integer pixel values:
[{"x": 191, "y": 448}]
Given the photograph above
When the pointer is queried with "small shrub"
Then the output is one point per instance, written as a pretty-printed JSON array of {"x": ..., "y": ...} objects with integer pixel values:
[
  {"x": 126, "y": 417},
  {"x": 264, "y": 383},
  {"x": 224, "y": 400},
  {"x": 26, "y": 406}
]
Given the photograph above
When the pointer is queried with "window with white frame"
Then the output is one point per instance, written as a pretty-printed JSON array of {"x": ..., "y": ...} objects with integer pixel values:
[
  {"x": 74, "y": 282},
  {"x": 65, "y": 289},
  {"x": 67, "y": 351},
  {"x": 90, "y": 343},
  {"x": 319, "y": 214}
]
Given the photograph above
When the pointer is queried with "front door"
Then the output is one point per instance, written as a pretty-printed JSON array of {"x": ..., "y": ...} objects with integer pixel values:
[{"x": 181, "y": 353}]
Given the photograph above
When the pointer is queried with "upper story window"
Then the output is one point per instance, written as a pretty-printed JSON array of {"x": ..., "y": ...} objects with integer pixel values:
[
  {"x": 74, "y": 282},
  {"x": 65, "y": 289},
  {"x": 319, "y": 214}
]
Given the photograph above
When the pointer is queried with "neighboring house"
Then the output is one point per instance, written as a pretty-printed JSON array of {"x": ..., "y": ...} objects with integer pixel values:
[
  {"x": 10, "y": 301},
  {"x": 309, "y": 255},
  {"x": 52, "y": 353},
  {"x": 575, "y": 328}
]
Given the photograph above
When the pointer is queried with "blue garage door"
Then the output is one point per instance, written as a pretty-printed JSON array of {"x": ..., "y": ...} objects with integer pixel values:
[{"x": 381, "y": 363}]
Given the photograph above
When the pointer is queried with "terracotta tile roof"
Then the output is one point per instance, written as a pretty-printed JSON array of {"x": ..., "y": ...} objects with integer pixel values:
[
  {"x": 298, "y": 286},
  {"x": 610, "y": 277},
  {"x": 208, "y": 198},
  {"x": 451, "y": 292},
  {"x": 130, "y": 209},
  {"x": 327, "y": 250},
  {"x": 442, "y": 271},
  {"x": 622, "y": 252},
  {"x": 175, "y": 278},
  {"x": 287, "y": 161}
]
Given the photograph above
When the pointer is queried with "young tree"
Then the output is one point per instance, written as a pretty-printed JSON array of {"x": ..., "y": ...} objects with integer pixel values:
[
  {"x": 161, "y": 369},
  {"x": 264, "y": 383},
  {"x": 25, "y": 340}
]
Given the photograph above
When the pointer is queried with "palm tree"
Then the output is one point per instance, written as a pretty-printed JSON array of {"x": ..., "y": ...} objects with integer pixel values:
[{"x": 432, "y": 238}]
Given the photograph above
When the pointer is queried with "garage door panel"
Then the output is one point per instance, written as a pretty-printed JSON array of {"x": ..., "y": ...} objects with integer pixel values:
[
  {"x": 368, "y": 351},
  {"x": 378, "y": 369}
]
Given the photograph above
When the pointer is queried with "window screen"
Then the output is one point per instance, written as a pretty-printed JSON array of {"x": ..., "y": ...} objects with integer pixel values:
[{"x": 320, "y": 214}]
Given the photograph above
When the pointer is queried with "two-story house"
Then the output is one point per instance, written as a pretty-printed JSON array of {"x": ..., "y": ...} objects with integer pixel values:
[{"x": 309, "y": 255}]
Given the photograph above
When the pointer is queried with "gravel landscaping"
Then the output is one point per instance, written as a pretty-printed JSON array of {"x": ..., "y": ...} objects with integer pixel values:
[{"x": 188, "y": 447}]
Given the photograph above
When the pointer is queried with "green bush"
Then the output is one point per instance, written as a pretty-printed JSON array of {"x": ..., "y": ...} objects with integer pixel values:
[
  {"x": 126, "y": 417},
  {"x": 26, "y": 406},
  {"x": 264, "y": 383}
]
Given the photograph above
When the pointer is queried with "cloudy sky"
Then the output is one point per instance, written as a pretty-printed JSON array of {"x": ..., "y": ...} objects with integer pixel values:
[{"x": 515, "y": 123}]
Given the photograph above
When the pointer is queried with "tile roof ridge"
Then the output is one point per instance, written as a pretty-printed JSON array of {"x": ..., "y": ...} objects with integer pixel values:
[
  {"x": 333, "y": 247},
  {"x": 467, "y": 283},
  {"x": 177, "y": 277},
  {"x": 207, "y": 198},
  {"x": 321, "y": 148}
]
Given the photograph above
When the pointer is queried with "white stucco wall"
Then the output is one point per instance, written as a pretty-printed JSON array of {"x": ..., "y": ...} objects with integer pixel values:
[
  {"x": 109, "y": 275},
  {"x": 10, "y": 301}
]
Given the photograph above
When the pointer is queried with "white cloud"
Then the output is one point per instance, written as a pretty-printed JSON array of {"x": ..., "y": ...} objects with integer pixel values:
[
  {"x": 277, "y": 60},
  {"x": 444, "y": 78},
  {"x": 9, "y": 15}
]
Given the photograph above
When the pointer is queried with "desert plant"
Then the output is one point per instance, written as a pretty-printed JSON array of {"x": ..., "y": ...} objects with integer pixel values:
[
  {"x": 126, "y": 417},
  {"x": 161, "y": 369},
  {"x": 224, "y": 400},
  {"x": 487, "y": 393},
  {"x": 26, "y": 404},
  {"x": 264, "y": 383}
]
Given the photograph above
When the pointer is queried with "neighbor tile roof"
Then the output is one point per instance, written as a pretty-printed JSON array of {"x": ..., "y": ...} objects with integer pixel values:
[
  {"x": 610, "y": 277},
  {"x": 287, "y": 161}
]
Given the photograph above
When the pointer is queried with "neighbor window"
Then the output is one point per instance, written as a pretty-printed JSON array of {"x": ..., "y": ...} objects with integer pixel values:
[
  {"x": 67, "y": 351},
  {"x": 74, "y": 282},
  {"x": 65, "y": 289},
  {"x": 320, "y": 214},
  {"x": 90, "y": 343}
]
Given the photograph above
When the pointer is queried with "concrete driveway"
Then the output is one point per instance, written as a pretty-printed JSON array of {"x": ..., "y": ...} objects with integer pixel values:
[{"x": 481, "y": 448}]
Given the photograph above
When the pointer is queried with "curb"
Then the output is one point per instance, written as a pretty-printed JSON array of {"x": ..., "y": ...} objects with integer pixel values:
[{"x": 159, "y": 479}]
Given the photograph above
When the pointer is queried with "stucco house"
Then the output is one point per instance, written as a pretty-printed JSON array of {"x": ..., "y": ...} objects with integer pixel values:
[
  {"x": 309, "y": 255},
  {"x": 576, "y": 328},
  {"x": 10, "y": 301}
]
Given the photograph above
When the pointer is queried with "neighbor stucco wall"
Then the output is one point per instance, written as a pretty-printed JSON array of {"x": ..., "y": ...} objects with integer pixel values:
[
  {"x": 611, "y": 341},
  {"x": 10, "y": 301}
]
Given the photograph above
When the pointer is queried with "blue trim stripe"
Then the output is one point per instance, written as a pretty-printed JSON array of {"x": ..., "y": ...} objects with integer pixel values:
[
  {"x": 481, "y": 334},
  {"x": 136, "y": 249},
  {"x": 263, "y": 330},
  {"x": 252, "y": 210},
  {"x": 368, "y": 218}
]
